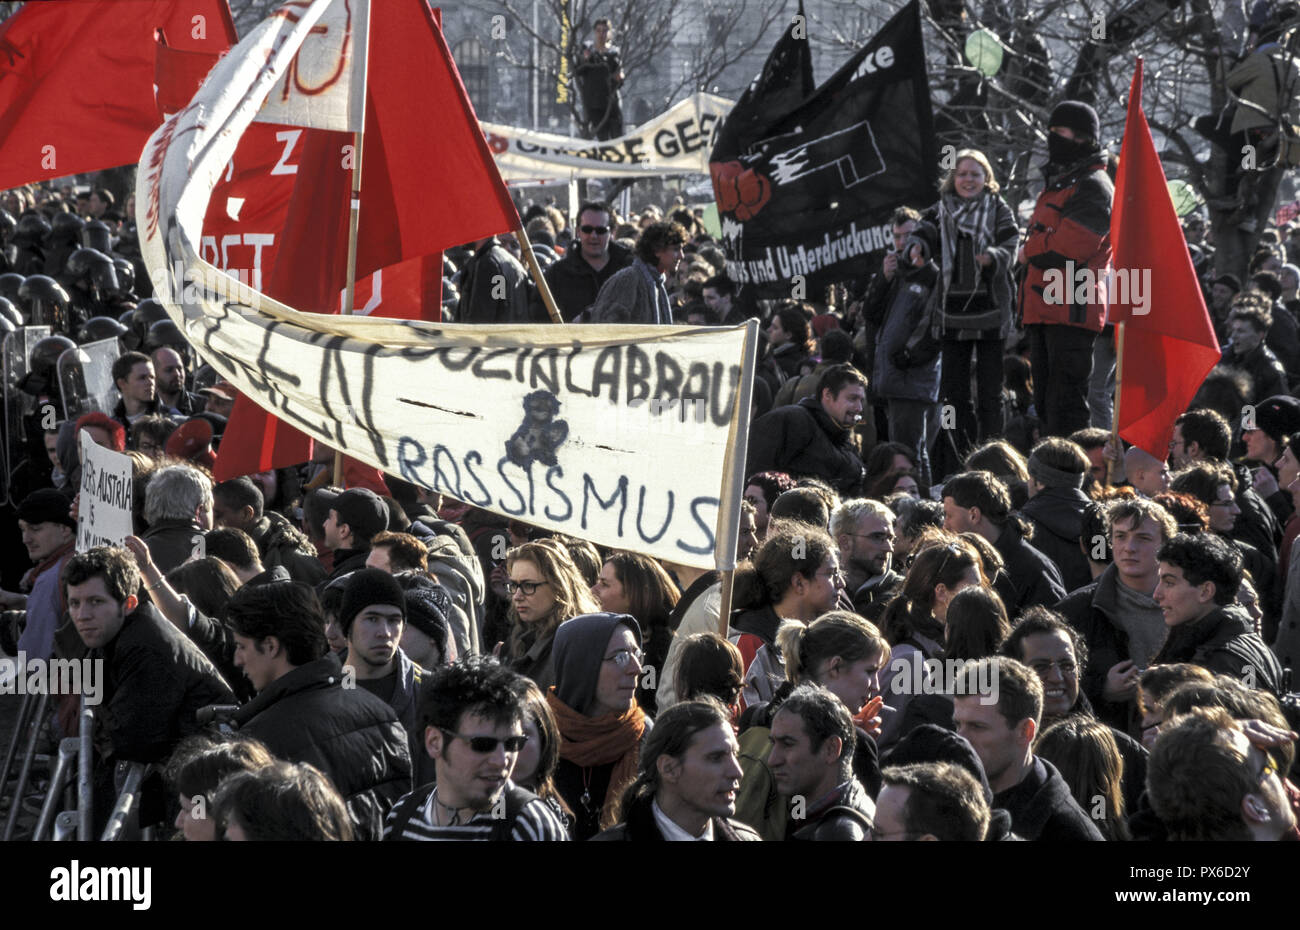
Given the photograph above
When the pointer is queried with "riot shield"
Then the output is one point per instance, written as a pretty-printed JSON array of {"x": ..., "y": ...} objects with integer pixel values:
[
  {"x": 86, "y": 378},
  {"x": 14, "y": 352}
]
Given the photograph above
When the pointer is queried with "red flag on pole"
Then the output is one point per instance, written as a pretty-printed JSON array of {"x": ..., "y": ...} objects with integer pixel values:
[
  {"x": 429, "y": 182},
  {"x": 1169, "y": 343},
  {"x": 77, "y": 80}
]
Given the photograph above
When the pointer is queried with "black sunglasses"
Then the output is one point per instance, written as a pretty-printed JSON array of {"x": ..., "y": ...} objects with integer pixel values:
[
  {"x": 485, "y": 744},
  {"x": 598, "y": 230}
]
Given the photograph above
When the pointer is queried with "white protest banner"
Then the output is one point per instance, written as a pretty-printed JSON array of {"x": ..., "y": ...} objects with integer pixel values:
[
  {"x": 104, "y": 512},
  {"x": 676, "y": 142},
  {"x": 630, "y": 436}
]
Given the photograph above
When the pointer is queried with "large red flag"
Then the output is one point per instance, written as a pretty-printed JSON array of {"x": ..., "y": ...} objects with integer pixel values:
[
  {"x": 429, "y": 182},
  {"x": 1169, "y": 342},
  {"x": 77, "y": 80}
]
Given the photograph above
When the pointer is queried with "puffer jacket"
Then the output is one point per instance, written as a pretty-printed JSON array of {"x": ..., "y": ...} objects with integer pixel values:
[
  {"x": 1070, "y": 222},
  {"x": 349, "y": 734}
]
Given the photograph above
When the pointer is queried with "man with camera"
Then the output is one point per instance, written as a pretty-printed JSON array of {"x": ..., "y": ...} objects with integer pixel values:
[{"x": 905, "y": 367}]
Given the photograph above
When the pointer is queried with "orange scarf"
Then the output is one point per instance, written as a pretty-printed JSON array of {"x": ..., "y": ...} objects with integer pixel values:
[{"x": 600, "y": 740}]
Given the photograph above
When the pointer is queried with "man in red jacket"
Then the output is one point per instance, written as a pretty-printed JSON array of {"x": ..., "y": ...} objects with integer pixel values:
[{"x": 1063, "y": 297}]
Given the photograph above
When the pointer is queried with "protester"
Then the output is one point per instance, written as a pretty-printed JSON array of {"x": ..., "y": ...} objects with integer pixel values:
[
  {"x": 281, "y": 802},
  {"x": 545, "y": 590}
]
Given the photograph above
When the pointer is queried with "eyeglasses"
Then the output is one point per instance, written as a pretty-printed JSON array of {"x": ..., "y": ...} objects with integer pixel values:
[
  {"x": 1066, "y": 666},
  {"x": 528, "y": 587},
  {"x": 597, "y": 230},
  {"x": 878, "y": 538},
  {"x": 835, "y": 575},
  {"x": 485, "y": 744},
  {"x": 623, "y": 657}
]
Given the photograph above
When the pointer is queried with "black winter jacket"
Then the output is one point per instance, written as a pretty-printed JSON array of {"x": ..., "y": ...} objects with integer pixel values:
[
  {"x": 281, "y": 543},
  {"x": 1057, "y": 517},
  {"x": 848, "y": 817},
  {"x": 1091, "y": 610},
  {"x": 172, "y": 542},
  {"x": 1034, "y": 576},
  {"x": 574, "y": 283},
  {"x": 802, "y": 440},
  {"x": 155, "y": 680},
  {"x": 1224, "y": 641},
  {"x": 349, "y": 734},
  {"x": 1042, "y": 807}
]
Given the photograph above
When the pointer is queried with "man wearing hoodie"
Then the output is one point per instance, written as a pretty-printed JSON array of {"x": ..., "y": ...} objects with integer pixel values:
[
  {"x": 1057, "y": 471},
  {"x": 1002, "y": 725}
]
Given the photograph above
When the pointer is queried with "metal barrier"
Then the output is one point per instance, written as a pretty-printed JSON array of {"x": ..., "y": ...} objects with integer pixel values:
[
  {"x": 85, "y": 767},
  {"x": 126, "y": 802},
  {"x": 65, "y": 826},
  {"x": 25, "y": 770},
  {"x": 20, "y": 726},
  {"x": 59, "y": 780}
]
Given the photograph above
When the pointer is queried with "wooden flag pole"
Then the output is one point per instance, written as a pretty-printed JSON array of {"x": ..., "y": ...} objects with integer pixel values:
[
  {"x": 1112, "y": 465},
  {"x": 350, "y": 289},
  {"x": 535, "y": 269}
]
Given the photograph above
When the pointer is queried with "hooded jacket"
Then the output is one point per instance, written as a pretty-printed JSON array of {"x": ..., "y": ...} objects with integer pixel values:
[
  {"x": 1034, "y": 577},
  {"x": 1070, "y": 224},
  {"x": 352, "y": 736},
  {"x": 1056, "y": 515},
  {"x": 802, "y": 440},
  {"x": 1224, "y": 641},
  {"x": 899, "y": 309}
]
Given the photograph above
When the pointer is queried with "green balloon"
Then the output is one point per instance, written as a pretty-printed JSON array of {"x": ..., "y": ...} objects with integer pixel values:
[
  {"x": 1183, "y": 195},
  {"x": 984, "y": 51}
]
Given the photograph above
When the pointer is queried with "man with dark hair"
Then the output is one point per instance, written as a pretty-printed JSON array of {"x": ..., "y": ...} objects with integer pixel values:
[
  {"x": 1208, "y": 780},
  {"x": 1058, "y": 470},
  {"x": 239, "y": 504},
  {"x": 99, "y": 202},
  {"x": 930, "y": 801},
  {"x": 494, "y": 287},
  {"x": 355, "y": 517},
  {"x": 471, "y": 725},
  {"x": 599, "y": 73},
  {"x": 302, "y": 711},
  {"x": 978, "y": 502},
  {"x": 813, "y": 740},
  {"x": 1117, "y": 615},
  {"x": 372, "y": 619},
  {"x": 576, "y": 279},
  {"x": 1069, "y": 233},
  {"x": 836, "y": 349},
  {"x": 169, "y": 369},
  {"x": 237, "y": 549},
  {"x": 1001, "y": 723},
  {"x": 813, "y": 436},
  {"x": 688, "y": 780},
  {"x": 638, "y": 293},
  {"x": 761, "y": 491},
  {"x": 1199, "y": 578},
  {"x": 1248, "y": 324},
  {"x": 1057, "y": 653},
  {"x": 155, "y": 679},
  {"x": 397, "y": 552},
  {"x": 133, "y": 377},
  {"x": 719, "y": 291}
]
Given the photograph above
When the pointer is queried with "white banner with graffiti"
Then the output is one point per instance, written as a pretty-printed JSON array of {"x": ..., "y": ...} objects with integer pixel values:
[{"x": 676, "y": 142}]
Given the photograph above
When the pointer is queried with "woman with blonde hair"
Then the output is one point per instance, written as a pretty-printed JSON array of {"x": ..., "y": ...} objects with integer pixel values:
[
  {"x": 971, "y": 303},
  {"x": 545, "y": 589}
]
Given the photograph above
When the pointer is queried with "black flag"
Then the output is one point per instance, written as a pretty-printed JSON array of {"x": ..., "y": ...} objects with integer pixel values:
[{"x": 805, "y": 189}]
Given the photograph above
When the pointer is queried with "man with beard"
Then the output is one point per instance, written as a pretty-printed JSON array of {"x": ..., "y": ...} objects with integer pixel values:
[{"x": 864, "y": 531}]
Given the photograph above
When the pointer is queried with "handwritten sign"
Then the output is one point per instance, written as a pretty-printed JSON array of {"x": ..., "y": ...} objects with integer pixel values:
[
  {"x": 104, "y": 514},
  {"x": 629, "y": 436}
]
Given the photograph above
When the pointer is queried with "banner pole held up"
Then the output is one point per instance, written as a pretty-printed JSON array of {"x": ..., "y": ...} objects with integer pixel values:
[
  {"x": 1111, "y": 465},
  {"x": 536, "y": 270},
  {"x": 733, "y": 480}
]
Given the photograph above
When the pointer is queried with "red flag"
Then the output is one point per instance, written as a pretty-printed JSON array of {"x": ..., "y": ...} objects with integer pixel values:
[
  {"x": 1169, "y": 342},
  {"x": 77, "y": 80},
  {"x": 429, "y": 182}
]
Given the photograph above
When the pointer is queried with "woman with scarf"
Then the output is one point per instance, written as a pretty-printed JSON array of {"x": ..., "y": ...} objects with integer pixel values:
[
  {"x": 597, "y": 664},
  {"x": 971, "y": 307}
]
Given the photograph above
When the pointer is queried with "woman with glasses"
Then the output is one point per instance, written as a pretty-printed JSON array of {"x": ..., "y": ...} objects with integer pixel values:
[
  {"x": 635, "y": 584},
  {"x": 597, "y": 664},
  {"x": 545, "y": 589},
  {"x": 913, "y": 622}
]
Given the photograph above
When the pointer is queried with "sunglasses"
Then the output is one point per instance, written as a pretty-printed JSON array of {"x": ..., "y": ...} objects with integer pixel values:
[
  {"x": 598, "y": 230},
  {"x": 485, "y": 744}
]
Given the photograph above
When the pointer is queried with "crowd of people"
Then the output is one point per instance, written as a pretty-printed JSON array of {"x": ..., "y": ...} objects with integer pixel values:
[{"x": 961, "y": 612}]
